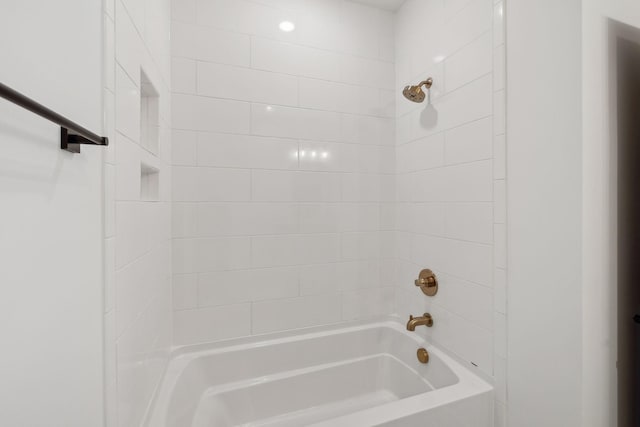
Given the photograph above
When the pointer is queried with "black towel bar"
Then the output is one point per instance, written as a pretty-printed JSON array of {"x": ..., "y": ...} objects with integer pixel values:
[{"x": 72, "y": 135}]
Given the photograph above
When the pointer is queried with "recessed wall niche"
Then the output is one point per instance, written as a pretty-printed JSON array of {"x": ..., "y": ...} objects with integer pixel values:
[
  {"x": 149, "y": 182},
  {"x": 149, "y": 114}
]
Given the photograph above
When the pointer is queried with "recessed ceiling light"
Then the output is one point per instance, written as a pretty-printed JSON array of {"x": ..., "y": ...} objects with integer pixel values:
[{"x": 287, "y": 26}]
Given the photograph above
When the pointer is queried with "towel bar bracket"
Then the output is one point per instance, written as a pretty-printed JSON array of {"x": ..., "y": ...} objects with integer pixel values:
[{"x": 71, "y": 142}]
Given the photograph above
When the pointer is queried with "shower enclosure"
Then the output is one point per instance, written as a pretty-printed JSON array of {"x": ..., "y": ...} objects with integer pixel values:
[{"x": 270, "y": 177}]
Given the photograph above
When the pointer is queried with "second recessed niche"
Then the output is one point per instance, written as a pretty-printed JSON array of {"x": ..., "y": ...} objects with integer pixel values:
[{"x": 149, "y": 182}]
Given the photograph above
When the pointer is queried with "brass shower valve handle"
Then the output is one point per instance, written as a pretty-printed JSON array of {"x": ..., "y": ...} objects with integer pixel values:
[
  {"x": 425, "y": 281},
  {"x": 428, "y": 282}
]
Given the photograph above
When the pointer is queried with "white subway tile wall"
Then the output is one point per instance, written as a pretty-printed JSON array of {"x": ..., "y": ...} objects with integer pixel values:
[
  {"x": 138, "y": 291},
  {"x": 308, "y": 191},
  {"x": 284, "y": 170},
  {"x": 450, "y": 165}
]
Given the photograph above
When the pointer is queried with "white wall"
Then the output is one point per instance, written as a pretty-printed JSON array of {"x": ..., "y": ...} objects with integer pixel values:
[
  {"x": 584, "y": 374},
  {"x": 51, "y": 291},
  {"x": 138, "y": 224},
  {"x": 268, "y": 231},
  {"x": 545, "y": 208}
]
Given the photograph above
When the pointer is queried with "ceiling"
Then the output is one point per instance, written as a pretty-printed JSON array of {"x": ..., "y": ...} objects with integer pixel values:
[{"x": 391, "y": 5}]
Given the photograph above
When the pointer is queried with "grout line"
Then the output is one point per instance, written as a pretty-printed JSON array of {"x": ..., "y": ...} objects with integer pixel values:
[
  {"x": 354, "y": 83},
  {"x": 445, "y": 131},
  {"x": 302, "y": 171},
  {"x": 254, "y": 103},
  {"x": 283, "y": 138}
]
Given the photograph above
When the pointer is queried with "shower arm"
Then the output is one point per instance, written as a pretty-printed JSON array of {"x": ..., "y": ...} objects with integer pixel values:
[{"x": 428, "y": 83}]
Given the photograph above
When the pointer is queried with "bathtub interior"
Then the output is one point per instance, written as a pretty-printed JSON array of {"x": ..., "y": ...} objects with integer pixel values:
[
  {"x": 301, "y": 380},
  {"x": 307, "y": 396}
]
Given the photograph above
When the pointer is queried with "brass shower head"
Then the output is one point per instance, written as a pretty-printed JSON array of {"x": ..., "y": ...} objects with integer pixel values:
[{"x": 415, "y": 93}]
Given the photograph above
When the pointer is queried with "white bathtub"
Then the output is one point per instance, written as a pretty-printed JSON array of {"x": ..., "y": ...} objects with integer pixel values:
[{"x": 366, "y": 375}]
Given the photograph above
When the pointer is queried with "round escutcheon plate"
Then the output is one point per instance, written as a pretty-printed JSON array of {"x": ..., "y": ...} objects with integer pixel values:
[
  {"x": 428, "y": 282},
  {"x": 423, "y": 355}
]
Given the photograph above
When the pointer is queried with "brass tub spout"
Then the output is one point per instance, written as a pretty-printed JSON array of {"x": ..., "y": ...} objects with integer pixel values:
[{"x": 426, "y": 320}]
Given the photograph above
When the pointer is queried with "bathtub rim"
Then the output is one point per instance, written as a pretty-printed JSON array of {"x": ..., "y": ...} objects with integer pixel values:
[
  {"x": 470, "y": 382},
  {"x": 178, "y": 351}
]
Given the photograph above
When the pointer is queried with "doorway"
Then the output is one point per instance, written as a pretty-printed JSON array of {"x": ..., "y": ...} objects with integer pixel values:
[{"x": 628, "y": 230}]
